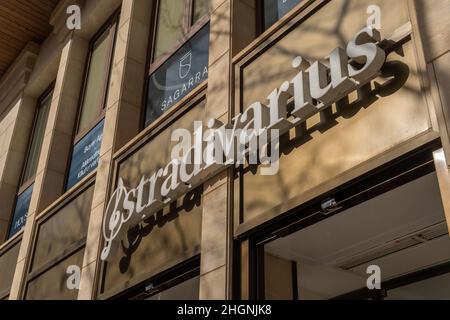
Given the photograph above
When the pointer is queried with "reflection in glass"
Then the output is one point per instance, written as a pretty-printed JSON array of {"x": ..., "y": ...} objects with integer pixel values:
[
  {"x": 274, "y": 10},
  {"x": 21, "y": 212},
  {"x": 201, "y": 8},
  {"x": 178, "y": 76},
  {"x": 85, "y": 155},
  {"x": 402, "y": 231}
]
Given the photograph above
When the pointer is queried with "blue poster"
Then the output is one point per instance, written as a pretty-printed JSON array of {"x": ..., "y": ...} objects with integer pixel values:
[
  {"x": 21, "y": 211},
  {"x": 85, "y": 155},
  {"x": 178, "y": 76}
]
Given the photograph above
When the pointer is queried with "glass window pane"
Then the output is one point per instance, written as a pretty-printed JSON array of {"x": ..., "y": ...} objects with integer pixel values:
[
  {"x": 21, "y": 212},
  {"x": 97, "y": 76},
  {"x": 85, "y": 155},
  {"x": 274, "y": 10},
  {"x": 201, "y": 8},
  {"x": 435, "y": 288},
  {"x": 37, "y": 138},
  {"x": 178, "y": 76},
  {"x": 169, "y": 29}
]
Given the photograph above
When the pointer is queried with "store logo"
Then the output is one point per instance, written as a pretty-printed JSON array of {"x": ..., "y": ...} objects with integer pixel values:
[
  {"x": 374, "y": 280},
  {"x": 185, "y": 65},
  {"x": 314, "y": 88}
]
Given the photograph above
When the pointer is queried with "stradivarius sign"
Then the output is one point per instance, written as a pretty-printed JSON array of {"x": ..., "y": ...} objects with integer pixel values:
[{"x": 252, "y": 136}]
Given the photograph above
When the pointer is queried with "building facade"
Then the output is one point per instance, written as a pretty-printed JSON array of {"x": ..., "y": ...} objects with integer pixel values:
[{"x": 98, "y": 200}]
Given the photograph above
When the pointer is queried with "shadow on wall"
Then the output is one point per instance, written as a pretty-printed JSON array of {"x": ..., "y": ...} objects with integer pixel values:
[
  {"x": 394, "y": 74},
  {"x": 136, "y": 234}
]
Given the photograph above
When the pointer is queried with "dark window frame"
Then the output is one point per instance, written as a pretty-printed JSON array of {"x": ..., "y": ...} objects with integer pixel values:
[
  {"x": 397, "y": 172},
  {"x": 72, "y": 250},
  {"x": 24, "y": 185},
  {"x": 189, "y": 30}
]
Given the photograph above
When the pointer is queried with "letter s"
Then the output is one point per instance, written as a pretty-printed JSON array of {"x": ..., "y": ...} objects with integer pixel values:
[{"x": 364, "y": 50}]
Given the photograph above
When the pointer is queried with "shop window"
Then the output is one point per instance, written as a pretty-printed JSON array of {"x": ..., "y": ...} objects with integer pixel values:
[
  {"x": 179, "y": 59},
  {"x": 31, "y": 162},
  {"x": 274, "y": 10},
  {"x": 402, "y": 233},
  {"x": 89, "y": 134}
]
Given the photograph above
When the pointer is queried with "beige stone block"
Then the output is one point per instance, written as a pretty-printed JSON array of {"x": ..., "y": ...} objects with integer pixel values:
[
  {"x": 217, "y": 3},
  {"x": 52, "y": 189},
  {"x": 214, "y": 229},
  {"x": 66, "y": 116},
  {"x": 138, "y": 41},
  {"x": 442, "y": 70},
  {"x": 13, "y": 167},
  {"x": 8, "y": 194},
  {"x": 142, "y": 11},
  {"x": 115, "y": 83},
  {"x": 21, "y": 135},
  {"x": 220, "y": 32},
  {"x": 27, "y": 235},
  {"x": 109, "y": 131},
  {"x": 36, "y": 193},
  {"x": 215, "y": 182},
  {"x": 121, "y": 46},
  {"x": 213, "y": 285},
  {"x": 2, "y": 164}
]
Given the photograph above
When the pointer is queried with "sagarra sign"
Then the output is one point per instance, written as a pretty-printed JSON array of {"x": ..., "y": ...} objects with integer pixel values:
[{"x": 315, "y": 87}]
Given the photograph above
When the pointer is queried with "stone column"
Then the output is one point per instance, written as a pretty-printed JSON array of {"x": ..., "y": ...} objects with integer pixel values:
[
  {"x": 123, "y": 112},
  {"x": 215, "y": 267},
  {"x": 50, "y": 174}
]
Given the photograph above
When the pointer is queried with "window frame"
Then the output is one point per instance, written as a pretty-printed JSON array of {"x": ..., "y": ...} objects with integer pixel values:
[
  {"x": 111, "y": 27},
  {"x": 189, "y": 30},
  {"x": 25, "y": 184},
  {"x": 260, "y": 23}
]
